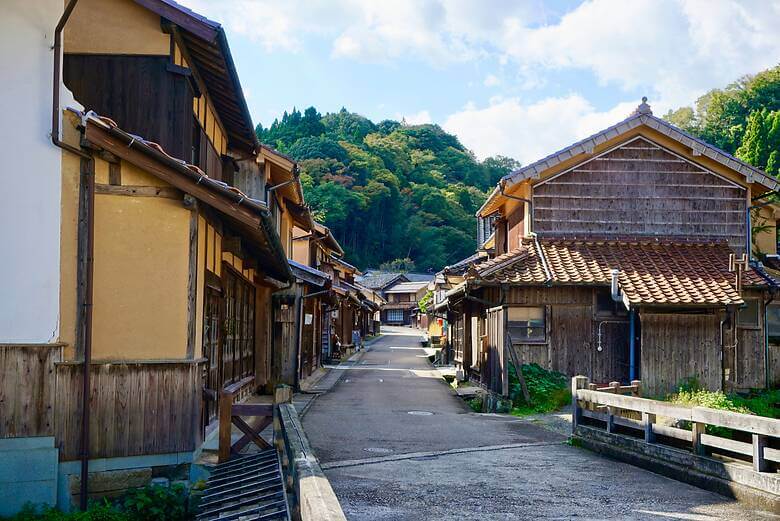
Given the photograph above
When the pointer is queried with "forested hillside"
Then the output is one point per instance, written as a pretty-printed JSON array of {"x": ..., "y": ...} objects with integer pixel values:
[
  {"x": 742, "y": 119},
  {"x": 388, "y": 190}
]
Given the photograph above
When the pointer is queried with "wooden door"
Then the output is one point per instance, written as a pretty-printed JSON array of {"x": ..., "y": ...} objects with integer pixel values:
[
  {"x": 498, "y": 380},
  {"x": 212, "y": 320}
]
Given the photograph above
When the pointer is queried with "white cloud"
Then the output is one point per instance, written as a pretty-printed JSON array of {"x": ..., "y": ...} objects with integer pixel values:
[
  {"x": 491, "y": 80},
  {"x": 673, "y": 49},
  {"x": 670, "y": 49},
  {"x": 528, "y": 132}
]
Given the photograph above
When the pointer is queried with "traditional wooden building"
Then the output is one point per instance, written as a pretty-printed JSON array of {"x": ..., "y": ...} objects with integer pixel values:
[
  {"x": 621, "y": 257},
  {"x": 174, "y": 233},
  {"x": 402, "y": 299}
]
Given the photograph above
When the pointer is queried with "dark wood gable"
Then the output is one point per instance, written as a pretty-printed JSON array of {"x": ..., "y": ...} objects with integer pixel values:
[{"x": 639, "y": 188}]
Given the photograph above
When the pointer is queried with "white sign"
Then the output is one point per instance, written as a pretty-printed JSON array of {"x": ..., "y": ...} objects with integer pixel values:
[{"x": 308, "y": 319}]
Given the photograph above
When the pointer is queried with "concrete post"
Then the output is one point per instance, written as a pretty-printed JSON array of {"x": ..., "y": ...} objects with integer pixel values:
[
  {"x": 577, "y": 383},
  {"x": 648, "y": 420},
  {"x": 759, "y": 463}
]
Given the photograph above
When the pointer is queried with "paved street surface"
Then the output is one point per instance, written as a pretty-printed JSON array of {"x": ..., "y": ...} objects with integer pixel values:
[{"x": 397, "y": 444}]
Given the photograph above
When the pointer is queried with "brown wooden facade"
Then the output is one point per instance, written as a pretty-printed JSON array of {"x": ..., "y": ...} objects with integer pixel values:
[{"x": 642, "y": 180}]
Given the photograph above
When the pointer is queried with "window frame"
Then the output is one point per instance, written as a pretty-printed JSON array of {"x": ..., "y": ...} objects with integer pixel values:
[
  {"x": 538, "y": 340},
  {"x": 773, "y": 339},
  {"x": 757, "y": 323}
]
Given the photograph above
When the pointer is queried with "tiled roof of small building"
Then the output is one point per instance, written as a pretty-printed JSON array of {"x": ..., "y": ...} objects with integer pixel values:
[{"x": 651, "y": 272}]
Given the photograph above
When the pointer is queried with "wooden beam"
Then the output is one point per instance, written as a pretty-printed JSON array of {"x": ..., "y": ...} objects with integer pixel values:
[
  {"x": 177, "y": 179},
  {"x": 180, "y": 18},
  {"x": 192, "y": 276},
  {"x": 139, "y": 191}
]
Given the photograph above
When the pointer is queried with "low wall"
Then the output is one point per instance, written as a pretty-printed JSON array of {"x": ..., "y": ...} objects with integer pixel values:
[{"x": 309, "y": 492}]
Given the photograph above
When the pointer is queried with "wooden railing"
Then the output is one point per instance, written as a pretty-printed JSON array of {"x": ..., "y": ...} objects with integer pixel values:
[
  {"x": 662, "y": 422},
  {"x": 230, "y": 414}
]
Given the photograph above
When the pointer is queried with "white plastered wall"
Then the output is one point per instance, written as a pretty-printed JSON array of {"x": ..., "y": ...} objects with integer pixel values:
[{"x": 30, "y": 174}]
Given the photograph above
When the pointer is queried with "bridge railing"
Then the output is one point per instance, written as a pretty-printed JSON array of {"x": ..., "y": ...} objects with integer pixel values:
[
  {"x": 738, "y": 436},
  {"x": 309, "y": 492}
]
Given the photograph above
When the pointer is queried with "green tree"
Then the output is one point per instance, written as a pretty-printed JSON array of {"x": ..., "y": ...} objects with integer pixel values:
[{"x": 388, "y": 191}]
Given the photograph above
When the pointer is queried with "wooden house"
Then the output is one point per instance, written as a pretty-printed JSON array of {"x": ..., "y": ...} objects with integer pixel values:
[
  {"x": 173, "y": 233},
  {"x": 402, "y": 299},
  {"x": 620, "y": 257}
]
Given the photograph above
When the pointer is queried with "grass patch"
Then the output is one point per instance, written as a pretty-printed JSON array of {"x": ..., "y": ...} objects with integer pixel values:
[
  {"x": 691, "y": 394},
  {"x": 548, "y": 390}
]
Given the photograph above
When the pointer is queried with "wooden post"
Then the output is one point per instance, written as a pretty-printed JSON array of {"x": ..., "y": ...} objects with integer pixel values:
[
  {"x": 759, "y": 444},
  {"x": 648, "y": 420},
  {"x": 283, "y": 394},
  {"x": 610, "y": 420},
  {"x": 577, "y": 382},
  {"x": 636, "y": 384},
  {"x": 225, "y": 424},
  {"x": 697, "y": 429}
]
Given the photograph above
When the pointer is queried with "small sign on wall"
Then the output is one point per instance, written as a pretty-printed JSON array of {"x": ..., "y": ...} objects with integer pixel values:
[{"x": 308, "y": 319}]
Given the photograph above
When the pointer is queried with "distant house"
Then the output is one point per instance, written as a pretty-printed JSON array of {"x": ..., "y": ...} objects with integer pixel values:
[
  {"x": 402, "y": 301},
  {"x": 620, "y": 257}
]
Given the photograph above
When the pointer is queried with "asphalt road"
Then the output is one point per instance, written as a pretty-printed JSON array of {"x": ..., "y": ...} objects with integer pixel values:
[{"x": 397, "y": 444}]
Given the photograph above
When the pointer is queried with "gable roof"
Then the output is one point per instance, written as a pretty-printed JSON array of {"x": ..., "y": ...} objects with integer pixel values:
[
  {"x": 652, "y": 272},
  {"x": 642, "y": 116},
  {"x": 309, "y": 274},
  {"x": 208, "y": 48},
  {"x": 407, "y": 287},
  {"x": 378, "y": 280}
]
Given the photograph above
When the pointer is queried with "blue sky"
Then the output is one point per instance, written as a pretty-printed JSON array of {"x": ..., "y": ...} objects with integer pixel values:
[{"x": 518, "y": 78}]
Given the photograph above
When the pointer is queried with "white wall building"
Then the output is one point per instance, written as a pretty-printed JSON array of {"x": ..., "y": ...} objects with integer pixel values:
[{"x": 30, "y": 174}]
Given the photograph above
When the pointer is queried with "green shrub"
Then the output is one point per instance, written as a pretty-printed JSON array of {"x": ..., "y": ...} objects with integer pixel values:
[
  {"x": 764, "y": 403},
  {"x": 548, "y": 390},
  {"x": 151, "y": 503},
  {"x": 476, "y": 403},
  {"x": 97, "y": 511},
  {"x": 155, "y": 503},
  {"x": 712, "y": 400}
]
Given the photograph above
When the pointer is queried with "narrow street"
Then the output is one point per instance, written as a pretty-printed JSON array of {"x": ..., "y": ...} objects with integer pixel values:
[{"x": 396, "y": 444}]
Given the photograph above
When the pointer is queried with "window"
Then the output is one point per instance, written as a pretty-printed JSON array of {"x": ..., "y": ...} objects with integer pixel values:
[
  {"x": 773, "y": 323},
  {"x": 526, "y": 325},
  {"x": 747, "y": 316},
  {"x": 395, "y": 315}
]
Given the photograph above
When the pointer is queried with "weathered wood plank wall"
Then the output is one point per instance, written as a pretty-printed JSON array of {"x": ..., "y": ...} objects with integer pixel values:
[
  {"x": 136, "y": 408},
  {"x": 572, "y": 333},
  {"x": 679, "y": 346},
  {"x": 27, "y": 389},
  {"x": 641, "y": 189}
]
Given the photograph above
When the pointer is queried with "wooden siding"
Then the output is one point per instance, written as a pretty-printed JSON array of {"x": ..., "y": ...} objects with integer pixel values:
[
  {"x": 572, "y": 333},
  {"x": 640, "y": 189},
  {"x": 494, "y": 373},
  {"x": 676, "y": 346},
  {"x": 137, "y": 408},
  {"x": 27, "y": 390},
  {"x": 140, "y": 93},
  {"x": 285, "y": 353}
]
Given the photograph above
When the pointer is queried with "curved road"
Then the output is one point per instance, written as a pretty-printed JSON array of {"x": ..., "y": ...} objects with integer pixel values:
[{"x": 397, "y": 444}]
